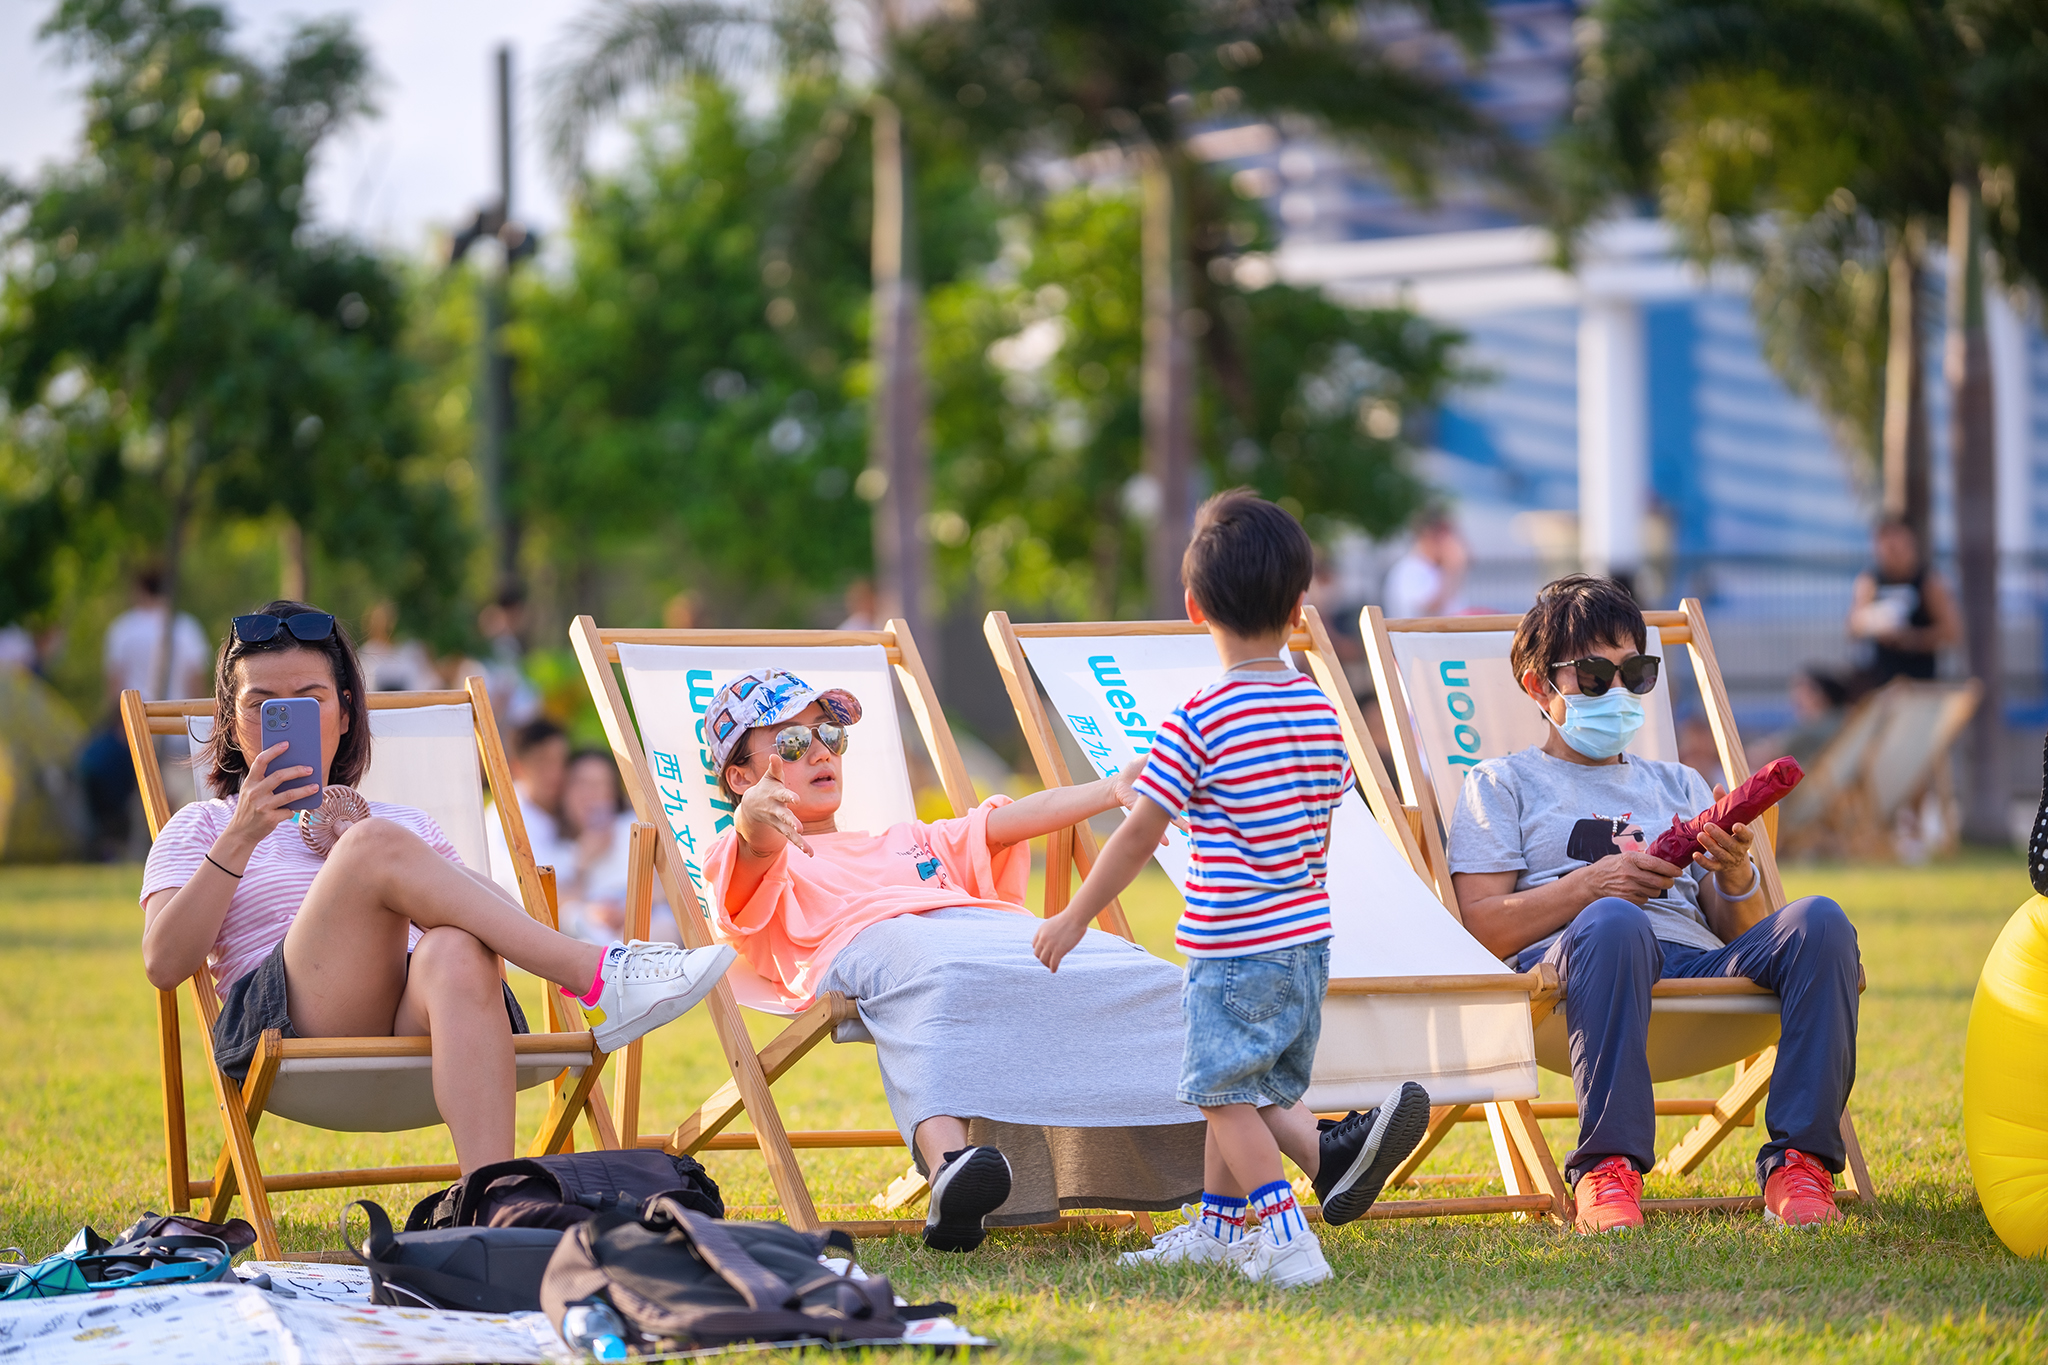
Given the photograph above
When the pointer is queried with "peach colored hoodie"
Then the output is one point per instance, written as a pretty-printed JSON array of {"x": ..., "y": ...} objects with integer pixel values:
[{"x": 807, "y": 908}]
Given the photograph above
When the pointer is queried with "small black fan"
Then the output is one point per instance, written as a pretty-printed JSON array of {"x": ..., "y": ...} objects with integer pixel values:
[{"x": 2037, "y": 847}]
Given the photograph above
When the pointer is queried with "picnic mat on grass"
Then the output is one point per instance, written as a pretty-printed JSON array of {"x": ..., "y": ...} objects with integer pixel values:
[{"x": 328, "y": 1320}]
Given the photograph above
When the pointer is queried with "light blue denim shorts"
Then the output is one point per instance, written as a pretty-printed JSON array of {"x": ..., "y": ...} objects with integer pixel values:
[{"x": 1253, "y": 1024}]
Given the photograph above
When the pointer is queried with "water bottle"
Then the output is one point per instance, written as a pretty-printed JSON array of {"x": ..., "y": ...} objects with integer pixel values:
[{"x": 592, "y": 1327}]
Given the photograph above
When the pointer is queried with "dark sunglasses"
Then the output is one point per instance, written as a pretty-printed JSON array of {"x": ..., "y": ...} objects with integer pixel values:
[
  {"x": 1638, "y": 673},
  {"x": 794, "y": 741},
  {"x": 309, "y": 626}
]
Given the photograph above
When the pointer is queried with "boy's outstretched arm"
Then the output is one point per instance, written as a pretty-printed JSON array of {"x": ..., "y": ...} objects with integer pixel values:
[{"x": 1119, "y": 863}]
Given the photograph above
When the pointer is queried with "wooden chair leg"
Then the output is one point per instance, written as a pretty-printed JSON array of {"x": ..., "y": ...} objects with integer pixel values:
[
  {"x": 177, "y": 1159},
  {"x": 559, "y": 1127},
  {"x": 597, "y": 1116},
  {"x": 626, "y": 1095},
  {"x": 905, "y": 1190},
  {"x": 1855, "y": 1174},
  {"x": 240, "y": 1156},
  {"x": 784, "y": 1051},
  {"x": 255, "y": 1099},
  {"x": 1534, "y": 1154},
  {"x": 1441, "y": 1121},
  {"x": 1514, "y": 1173},
  {"x": 1739, "y": 1099}
]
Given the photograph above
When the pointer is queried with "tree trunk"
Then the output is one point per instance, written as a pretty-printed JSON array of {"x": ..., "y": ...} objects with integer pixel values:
[
  {"x": 896, "y": 448},
  {"x": 1906, "y": 482},
  {"x": 1986, "y": 818},
  {"x": 1168, "y": 389}
]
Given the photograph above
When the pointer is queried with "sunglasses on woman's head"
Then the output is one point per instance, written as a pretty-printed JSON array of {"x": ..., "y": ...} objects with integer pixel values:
[
  {"x": 1638, "y": 673},
  {"x": 793, "y": 742},
  {"x": 309, "y": 626}
]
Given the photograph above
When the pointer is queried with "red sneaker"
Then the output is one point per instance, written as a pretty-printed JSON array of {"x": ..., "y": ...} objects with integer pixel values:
[
  {"x": 1609, "y": 1198},
  {"x": 1800, "y": 1193}
]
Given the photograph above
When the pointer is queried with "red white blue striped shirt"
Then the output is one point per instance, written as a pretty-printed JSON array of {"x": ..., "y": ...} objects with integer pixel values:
[{"x": 1257, "y": 765}]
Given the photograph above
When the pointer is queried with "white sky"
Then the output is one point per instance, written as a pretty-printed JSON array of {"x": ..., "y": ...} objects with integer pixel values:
[{"x": 425, "y": 164}]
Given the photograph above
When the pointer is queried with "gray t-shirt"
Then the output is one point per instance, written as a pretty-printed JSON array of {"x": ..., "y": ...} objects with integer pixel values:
[{"x": 1516, "y": 813}]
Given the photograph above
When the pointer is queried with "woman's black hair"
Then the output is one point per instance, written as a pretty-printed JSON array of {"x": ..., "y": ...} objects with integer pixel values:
[
  {"x": 221, "y": 758},
  {"x": 1573, "y": 616}
]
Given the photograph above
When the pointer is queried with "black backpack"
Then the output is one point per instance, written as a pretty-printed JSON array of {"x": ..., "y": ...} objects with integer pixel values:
[
  {"x": 561, "y": 1191},
  {"x": 480, "y": 1270},
  {"x": 680, "y": 1281}
]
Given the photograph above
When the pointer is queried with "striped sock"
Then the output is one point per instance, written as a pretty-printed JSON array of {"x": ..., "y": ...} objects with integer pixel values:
[
  {"x": 1278, "y": 1213},
  {"x": 1223, "y": 1217}
]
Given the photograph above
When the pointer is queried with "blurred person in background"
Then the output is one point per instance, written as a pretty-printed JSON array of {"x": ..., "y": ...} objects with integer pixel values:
[
  {"x": 1429, "y": 580},
  {"x": 503, "y": 624},
  {"x": 863, "y": 610},
  {"x": 596, "y": 835},
  {"x": 680, "y": 611},
  {"x": 132, "y": 656},
  {"x": 18, "y": 648},
  {"x": 1696, "y": 747},
  {"x": 389, "y": 666},
  {"x": 1820, "y": 703},
  {"x": 1903, "y": 609},
  {"x": 539, "y": 757}
]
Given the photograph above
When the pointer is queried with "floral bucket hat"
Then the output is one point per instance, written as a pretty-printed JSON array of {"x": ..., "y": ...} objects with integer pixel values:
[{"x": 767, "y": 696}]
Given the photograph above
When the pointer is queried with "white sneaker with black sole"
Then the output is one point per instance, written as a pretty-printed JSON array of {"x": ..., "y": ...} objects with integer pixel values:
[
  {"x": 648, "y": 984},
  {"x": 1188, "y": 1244},
  {"x": 1289, "y": 1265},
  {"x": 1360, "y": 1151},
  {"x": 971, "y": 1184}
]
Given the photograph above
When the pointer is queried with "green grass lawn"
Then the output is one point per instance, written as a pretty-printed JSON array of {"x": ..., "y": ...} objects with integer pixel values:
[{"x": 1916, "y": 1276}]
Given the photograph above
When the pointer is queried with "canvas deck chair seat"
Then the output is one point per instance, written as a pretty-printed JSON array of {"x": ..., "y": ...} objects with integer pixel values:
[
  {"x": 1891, "y": 753},
  {"x": 434, "y": 751},
  {"x": 1412, "y": 996},
  {"x": 651, "y": 689},
  {"x": 1449, "y": 699}
]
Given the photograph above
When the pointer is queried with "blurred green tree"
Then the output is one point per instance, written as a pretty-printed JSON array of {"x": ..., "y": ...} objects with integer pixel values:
[
  {"x": 1817, "y": 140},
  {"x": 627, "y": 48},
  {"x": 1043, "y": 76},
  {"x": 179, "y": 345},
  {"x": 692, "y": 375},
  {"x": 1037, "y": 425}
]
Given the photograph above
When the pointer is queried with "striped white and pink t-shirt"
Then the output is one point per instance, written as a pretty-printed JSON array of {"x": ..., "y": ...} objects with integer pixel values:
[
  {"x": 1256, "y": 763},
  {"x": 273, "y": 886}
]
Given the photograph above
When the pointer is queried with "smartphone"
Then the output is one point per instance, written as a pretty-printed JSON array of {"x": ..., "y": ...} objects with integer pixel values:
[{"x": 296, "y": 721}]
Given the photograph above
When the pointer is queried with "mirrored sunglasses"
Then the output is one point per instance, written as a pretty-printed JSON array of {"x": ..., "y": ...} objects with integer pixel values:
[
  {"x": 794, "y": 741},
  {"x": 1638, "y": 673},
  {"x": 309, "y": 626}
]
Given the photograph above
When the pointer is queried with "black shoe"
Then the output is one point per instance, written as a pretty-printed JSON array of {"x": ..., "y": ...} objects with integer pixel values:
[
  {"x": 1361, "y": 1150},
  {"x": 971, "y": 1185}
]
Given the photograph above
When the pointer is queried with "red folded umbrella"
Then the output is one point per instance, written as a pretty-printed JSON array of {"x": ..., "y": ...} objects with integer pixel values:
[{"x": 1765, "y": 788}]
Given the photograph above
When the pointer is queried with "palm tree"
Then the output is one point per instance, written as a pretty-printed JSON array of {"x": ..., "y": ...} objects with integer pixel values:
[
  {"x": 625, "y": 47},
  {"x": 1145, "y": 75},
  {"x": 1840, "y": 131}
]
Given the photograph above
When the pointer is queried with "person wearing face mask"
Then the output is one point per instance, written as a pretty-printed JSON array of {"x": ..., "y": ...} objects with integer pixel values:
[{"x": 1548, "y": 862}]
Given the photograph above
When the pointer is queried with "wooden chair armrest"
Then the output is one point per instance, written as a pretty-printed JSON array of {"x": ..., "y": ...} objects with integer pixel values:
[{"x": 296, "y": 1049}]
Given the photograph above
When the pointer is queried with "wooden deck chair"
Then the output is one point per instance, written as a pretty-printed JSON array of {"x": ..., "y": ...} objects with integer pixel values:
[
  {"x": 1412, "y": 996},
  {"x": 1449, "y": 699},
  {"x": 669, "y": 677},
  {"x": 430, "y": 749},
  {"x": 1890, "y": 754}
]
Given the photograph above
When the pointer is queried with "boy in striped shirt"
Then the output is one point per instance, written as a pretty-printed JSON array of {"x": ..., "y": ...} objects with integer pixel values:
[{"x": 1253, "y": 765}]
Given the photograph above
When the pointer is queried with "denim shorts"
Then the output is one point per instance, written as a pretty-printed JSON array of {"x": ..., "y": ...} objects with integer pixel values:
[{"x": 1253, "y": 1024}]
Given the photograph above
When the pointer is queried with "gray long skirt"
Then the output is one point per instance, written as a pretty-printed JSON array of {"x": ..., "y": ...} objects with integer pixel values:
[{"x": 1071, "y": 1075}]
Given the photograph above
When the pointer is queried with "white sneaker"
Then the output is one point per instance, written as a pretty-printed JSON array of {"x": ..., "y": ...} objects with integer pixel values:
[
  {"x": 1187, "y": 1244},
  {"x": 1300, "y": 1262},
  {"x": 648, "y": 984}
]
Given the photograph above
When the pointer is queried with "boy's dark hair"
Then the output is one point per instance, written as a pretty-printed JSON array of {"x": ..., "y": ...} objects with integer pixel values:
[
  {"x": 533, "y": 734},
  {"x": 221, "y": 758},
  {"x": 1571, "y": 617},
  {"x": 1248, "y": 563}
]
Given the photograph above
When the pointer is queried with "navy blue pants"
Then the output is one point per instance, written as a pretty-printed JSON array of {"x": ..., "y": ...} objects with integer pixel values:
[{"x": 1608, "y": 960}]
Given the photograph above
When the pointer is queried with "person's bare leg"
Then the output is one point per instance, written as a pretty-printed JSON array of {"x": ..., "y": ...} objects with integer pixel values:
[
  {"x": 1294, "y": 1129},
  {"x": 1216, "y": 1176},
  {"x": 1247, "y": 1148},
  {"x": 937, "y": 1136},
  {"x": 454, "y": 994},
  {"x": 380, "y": 876}
]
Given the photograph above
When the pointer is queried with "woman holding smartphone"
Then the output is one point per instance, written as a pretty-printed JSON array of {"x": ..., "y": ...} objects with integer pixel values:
[{"x": 388, "y": 934}]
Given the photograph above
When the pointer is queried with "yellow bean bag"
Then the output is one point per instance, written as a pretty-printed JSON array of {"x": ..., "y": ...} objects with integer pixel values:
[{"x": 2005, "y": 1082}]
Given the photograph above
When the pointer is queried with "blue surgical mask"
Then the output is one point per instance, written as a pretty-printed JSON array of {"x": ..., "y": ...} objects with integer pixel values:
[{"x": 1602, "y": 726}]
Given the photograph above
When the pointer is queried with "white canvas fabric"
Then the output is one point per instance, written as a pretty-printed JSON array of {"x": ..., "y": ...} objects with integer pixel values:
[
  {"x": 671, "y": 685},
  {"x": 1463, "y": 1048},
  {"x": 1465, "y": 706}
]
